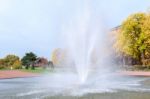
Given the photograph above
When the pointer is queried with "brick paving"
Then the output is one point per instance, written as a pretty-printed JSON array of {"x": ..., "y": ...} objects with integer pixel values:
[
  {"x": 6, "y": 74},
  {"x": 136, "y": 73}
]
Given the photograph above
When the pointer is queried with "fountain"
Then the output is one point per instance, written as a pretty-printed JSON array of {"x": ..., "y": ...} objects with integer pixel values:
[
  {"x": 85, "y": 40},
  {"x": 92, "y": 75}
]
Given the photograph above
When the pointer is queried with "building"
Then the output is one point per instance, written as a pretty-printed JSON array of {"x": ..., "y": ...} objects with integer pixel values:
[{"x": 43, "y": 62}]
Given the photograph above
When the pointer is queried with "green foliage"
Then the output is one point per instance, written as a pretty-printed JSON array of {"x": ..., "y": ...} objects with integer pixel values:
[{"x": 28, "y": 59}]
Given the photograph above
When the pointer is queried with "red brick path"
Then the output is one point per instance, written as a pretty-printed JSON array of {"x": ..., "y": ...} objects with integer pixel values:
[
  {"x": 136, "y": 73},
  {"x": 5, "y": 74}
]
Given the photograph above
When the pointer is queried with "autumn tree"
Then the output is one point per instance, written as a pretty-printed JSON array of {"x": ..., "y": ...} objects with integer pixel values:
[
  {"x": 133, "y": 38},
  {"x": 60, "y": 57},
  {"x": 57, "y": 56},
  {"x": 17, "y": 65},
  {"x": 2, "y": 64},
  {"x": 145, "y": 40},
  {"x": 10, "y": 61}
]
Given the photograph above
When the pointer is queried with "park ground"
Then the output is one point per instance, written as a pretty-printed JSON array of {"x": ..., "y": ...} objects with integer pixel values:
[
  {"x": 23, "y": 73},
  {"x": 7, "y": 74}
]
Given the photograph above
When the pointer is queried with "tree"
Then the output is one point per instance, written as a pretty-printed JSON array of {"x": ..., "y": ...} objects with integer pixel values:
[
  {"x": 28, "y": 60},
  {"x": 57, "y": 56},
  {"x": 134, "y": 37},
  {"x": 2, "y": 64},
  {"x": 10, "y": 60},
  {"x": 60, "y": 57},
  {"x": 145, "y": 40},
  {"x": 17, "y": 65}
]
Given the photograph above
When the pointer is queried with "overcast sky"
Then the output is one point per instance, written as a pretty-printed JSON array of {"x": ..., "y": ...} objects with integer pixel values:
[{"x": 35, "y": 25}]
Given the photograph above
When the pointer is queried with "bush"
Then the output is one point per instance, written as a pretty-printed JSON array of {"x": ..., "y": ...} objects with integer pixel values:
[
  {"x": 146, "y": 62},
  {"x": 2, "y": 66}
]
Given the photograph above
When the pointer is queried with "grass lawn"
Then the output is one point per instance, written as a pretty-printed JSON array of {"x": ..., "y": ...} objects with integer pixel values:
[{"x": 37, "y": 70}]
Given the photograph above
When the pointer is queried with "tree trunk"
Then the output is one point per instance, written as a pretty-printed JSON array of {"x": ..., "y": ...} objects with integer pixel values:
[
  {"x": 32, "y": 66},
  {"x": 27, "y": 67},
  {"x": 139, "y": 60},
  {"x": 143, "y": 57}
]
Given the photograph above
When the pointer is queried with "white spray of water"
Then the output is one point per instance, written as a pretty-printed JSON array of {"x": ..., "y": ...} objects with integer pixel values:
[{"x": 83, "y": 35}]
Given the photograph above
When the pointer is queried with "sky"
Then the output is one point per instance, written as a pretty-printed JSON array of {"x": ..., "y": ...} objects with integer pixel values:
[{"x": 36, "y": 25}]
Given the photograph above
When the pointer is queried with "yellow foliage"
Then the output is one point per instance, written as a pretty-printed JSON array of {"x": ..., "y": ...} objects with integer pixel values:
[
  {"x": 17, "y": 65},
  {"x": 133, "y": 39}
]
